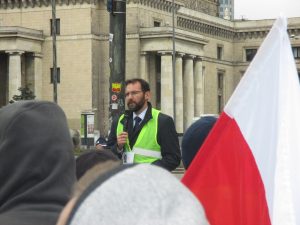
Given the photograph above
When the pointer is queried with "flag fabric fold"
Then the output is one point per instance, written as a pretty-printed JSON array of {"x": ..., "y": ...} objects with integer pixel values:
[{"x": 246, "y": 172}]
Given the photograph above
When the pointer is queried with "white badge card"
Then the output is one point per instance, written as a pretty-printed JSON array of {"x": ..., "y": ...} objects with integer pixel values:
[{"x": 128, "y": 157}]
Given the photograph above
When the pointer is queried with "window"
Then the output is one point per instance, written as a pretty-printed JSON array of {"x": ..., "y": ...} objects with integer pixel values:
[
  {"x": 220, "y": 92},
  {"x": 296, "y": 52},
  {"x": 58, "y": 75},
  {"x": 219, "y": 52},
  {"x": 250, "y": 53},
  {"x": 57, "y": 26},
  {"x": 156, "y": 24}
]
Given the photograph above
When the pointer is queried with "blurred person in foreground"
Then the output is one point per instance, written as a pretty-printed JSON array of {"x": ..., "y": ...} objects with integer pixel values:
[
  {"x": 132, "y": 194},
  {"x": 143, "y": 134},
  {"x": 37, "y": 166}
]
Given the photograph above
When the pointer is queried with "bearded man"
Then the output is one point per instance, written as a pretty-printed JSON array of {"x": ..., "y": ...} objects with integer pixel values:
[{"x": 143, "y": 134}]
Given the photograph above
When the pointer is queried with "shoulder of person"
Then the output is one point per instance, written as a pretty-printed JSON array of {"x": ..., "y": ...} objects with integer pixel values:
[{"x": 164, "y": 118}]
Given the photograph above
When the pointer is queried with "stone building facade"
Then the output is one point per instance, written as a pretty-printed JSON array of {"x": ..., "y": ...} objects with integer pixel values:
[{"x": 211, "y": 54}]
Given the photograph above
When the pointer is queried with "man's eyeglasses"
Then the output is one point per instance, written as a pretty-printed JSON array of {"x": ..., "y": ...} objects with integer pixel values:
[{"x": 132, "y": 93}]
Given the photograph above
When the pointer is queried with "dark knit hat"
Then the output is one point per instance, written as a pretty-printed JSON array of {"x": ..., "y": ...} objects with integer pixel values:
[{"x": 194, "y": 137}]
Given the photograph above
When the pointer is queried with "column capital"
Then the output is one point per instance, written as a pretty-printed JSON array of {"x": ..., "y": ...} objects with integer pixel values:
[
  {"x": 144, "y": 53},
  {"x": 14, "y": 52},
  {"x": 165, "y": 52},
  {"x": 198, "y": 58},
  {"x": 179, "y": 54},
  {"x": 37, "y": 55},
  {"x": 189, "y": 56}
]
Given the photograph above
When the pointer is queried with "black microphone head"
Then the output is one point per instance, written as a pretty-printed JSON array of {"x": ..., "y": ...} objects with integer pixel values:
[{"x": 126, "y": 118}]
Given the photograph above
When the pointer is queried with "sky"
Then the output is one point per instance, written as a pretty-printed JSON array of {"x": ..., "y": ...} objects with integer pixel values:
[{"x": 266, "y": 9}]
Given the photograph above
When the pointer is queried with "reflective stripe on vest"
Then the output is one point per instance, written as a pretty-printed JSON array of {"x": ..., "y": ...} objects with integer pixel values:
[{"x": 147, "y": 152}]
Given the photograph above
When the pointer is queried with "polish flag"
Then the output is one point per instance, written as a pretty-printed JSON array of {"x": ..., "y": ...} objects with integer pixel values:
[{"x": 248, "y": 170}]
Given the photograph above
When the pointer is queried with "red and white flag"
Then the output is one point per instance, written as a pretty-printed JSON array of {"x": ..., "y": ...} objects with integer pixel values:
[{"x": 248, "y": 170}]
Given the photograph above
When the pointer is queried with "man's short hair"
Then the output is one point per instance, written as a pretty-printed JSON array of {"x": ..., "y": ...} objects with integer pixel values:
[
  {"x": 88, "y": 159},
  {"x": 144, "y": 84}
]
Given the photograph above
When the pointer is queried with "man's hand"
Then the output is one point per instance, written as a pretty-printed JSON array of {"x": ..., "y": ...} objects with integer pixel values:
[{"x": 121, "y": 139}]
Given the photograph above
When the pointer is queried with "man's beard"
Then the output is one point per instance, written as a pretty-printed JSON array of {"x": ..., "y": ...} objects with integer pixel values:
[{"x": 136, "y": 106}]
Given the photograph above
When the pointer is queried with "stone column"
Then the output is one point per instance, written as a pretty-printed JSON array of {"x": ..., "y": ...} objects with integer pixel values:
[
  {"x": 199, "y": 90},
  {"x": 188, "y": 91},
  {"x": 144, "y": 66},
  {"x": 179, "y": 93},
  {"x": 14, "y": 73},
  {"x": 38, "y": 75},
  {"x": 167, "y": 102},
  {"x": 152, "y": 78}
]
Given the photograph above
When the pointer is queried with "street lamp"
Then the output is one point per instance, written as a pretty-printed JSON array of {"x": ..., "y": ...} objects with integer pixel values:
[{"x": 173, "y": 60}]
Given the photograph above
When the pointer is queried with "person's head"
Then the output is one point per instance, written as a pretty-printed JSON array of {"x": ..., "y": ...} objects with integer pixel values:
[
  {"x": 88, "y": 159},
  {"x": 139, "y": 194},
  {"x": 83, "y": 183},
  {"x": 137, "y": 93},
  {"x": 37, "y": 166},
  {"x": 194, "y": 137}
]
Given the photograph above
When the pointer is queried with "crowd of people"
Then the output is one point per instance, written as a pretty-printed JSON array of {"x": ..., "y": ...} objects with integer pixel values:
[{"x": 124, "y": 180}]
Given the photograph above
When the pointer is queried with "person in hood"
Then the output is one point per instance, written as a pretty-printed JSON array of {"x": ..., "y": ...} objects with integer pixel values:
[
  {"x": 37, "y": 166},
  {"x": 194, "y": 137},
  {"x": 140, "y": 194}
]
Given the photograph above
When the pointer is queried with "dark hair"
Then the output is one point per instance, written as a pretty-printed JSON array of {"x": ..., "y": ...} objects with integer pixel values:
[
  {"x": 144, "y": 84},
  {"x": 88, "y": 159}
]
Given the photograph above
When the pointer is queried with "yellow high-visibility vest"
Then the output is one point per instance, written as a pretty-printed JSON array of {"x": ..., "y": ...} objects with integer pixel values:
[{"x": 146, "y": 149}]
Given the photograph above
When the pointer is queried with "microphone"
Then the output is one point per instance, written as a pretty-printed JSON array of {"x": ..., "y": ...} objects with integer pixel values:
[{"x": 126, "y": 119}]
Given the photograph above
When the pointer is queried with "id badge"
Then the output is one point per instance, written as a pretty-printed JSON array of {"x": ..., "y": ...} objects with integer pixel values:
[{"x": 128, "y": 157}]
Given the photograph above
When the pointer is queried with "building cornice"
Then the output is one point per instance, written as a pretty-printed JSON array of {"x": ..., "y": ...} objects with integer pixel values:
[
  {"x": 21, "y": 32},
  {"x": 11, "y": 4},
  {"x": 163, "y": 5},
  {"x": 230, "y": 33},
  {"x": 205, "y": 28},
  {"x": 206, "y": 6},
  {"x": 216, "y": 61},
  {"x": 167, "y": 32}
]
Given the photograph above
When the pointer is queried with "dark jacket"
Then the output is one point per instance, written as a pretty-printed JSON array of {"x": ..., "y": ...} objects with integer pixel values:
[
  {"x": 37, "y": 166},
  {"x": 166, "y": 137}
]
